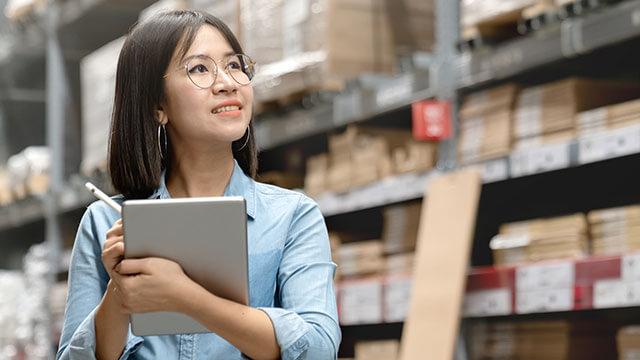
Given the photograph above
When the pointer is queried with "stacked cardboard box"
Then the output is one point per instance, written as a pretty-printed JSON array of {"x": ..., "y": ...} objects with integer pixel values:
[
  {"x": 27, "y": 173},
  {"x": 629, "y": 343},
  {"x": 319, "y": 44},
  {"x": 609, "y": 117},
  {"x": 486, "y": 118},
  {"x": 360, "y": 258},
  {"x": 414, "y": 156},
  {"x": 547, "y": 113},
  {"x": 377, "y": 350},
  {"x": 615, "y": 231},
  {"x": 541, "y": 340},
  {"x": 362, "y": 155},
  {"x": 315, "y": 181},
  {"x": 563, "y": 237},
  {"x": 400, "y": 227}
]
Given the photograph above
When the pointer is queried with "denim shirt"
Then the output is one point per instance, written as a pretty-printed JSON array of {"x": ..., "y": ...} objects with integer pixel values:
[{"x": 290, "y": 279}]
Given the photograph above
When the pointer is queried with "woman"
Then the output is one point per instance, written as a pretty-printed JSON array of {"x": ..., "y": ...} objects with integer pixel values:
[{"x": 181, "y": 128}]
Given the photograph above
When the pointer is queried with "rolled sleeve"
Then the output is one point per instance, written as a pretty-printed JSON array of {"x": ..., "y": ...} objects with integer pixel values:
[
  {"x": 87, "y": 284},
  {"x": 306, "y": 323}
]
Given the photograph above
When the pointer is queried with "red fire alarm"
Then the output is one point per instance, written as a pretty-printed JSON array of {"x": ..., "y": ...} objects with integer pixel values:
[{"x": 431, "y": 120}]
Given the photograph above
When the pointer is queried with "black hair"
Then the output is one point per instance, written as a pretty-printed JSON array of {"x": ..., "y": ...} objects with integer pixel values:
[{"x": 135, "y": 161}]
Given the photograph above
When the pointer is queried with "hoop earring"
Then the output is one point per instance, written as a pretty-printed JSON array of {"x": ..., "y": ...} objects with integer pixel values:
[
  {"x": 162, "y": 129},
  {"x": 247, "y": 139}
]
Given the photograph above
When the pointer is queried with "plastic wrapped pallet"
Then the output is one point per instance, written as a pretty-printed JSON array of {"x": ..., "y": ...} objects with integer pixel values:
[
  {"x": 98, "y": 81},
  {"x": 319, "y": 44}
]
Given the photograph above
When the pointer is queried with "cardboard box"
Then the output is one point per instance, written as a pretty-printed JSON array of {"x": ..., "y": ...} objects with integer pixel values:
[
  {"x": 616, "y": 214},
  {"x": 319, "y": 44},
  {"x": 360, "y": 301},
  {"x": 399, "y": 264},
  {"x": 564, "y": 237},
  {"x": 628, "y": 339},
  {"x": 553, "y": 107},
  {"x": 316, "y": 178},
  {"x": 415, "y": 157},
  {"x": 485, "y": 137},
  {"x": 361, "y": 155},
  {"x": 360, "y": 258},
  {"x": 397, "y": 294},
  {"x": 497, "y": 99},
  {"x": 400, "y": 227}
]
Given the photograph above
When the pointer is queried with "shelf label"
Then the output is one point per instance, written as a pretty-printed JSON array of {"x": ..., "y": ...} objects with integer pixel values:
[
  {"x": 545, "y": 276},
  {"x": 630, "y": 267},
  {"x": 609, "y": 144},
  {"x": 541, "y": 159},
  {"x": 495, "y": 170},
  {"x": 487, "y": 302},
  {"x": 396, "y": 91},
  {"x": 544, "y": 300},
  {"x": 615, "y": 293}
]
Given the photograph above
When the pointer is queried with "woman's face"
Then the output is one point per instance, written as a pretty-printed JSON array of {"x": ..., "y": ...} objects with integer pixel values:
[{"x": 219, "y": 114}]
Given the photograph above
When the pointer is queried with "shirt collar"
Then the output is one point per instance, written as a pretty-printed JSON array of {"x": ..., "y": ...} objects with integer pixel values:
[{"x": 239, "y": 185}]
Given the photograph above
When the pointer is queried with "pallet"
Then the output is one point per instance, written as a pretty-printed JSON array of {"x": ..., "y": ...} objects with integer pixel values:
[{"x": 491, "y": 31}]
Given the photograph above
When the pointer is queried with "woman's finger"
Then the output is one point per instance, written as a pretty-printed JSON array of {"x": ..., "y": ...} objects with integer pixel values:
[{"x": 111, "y": 241}]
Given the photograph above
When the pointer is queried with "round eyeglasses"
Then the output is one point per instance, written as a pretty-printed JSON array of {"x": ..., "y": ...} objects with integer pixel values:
[{"x": 203, "y": 70}]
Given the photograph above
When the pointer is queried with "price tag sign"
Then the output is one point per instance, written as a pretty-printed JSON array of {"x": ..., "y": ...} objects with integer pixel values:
[
  {"x": 488, "y": 302},
  {"x": 398, "y": 90},
  {"x": 540, "y": 159},
  {"x": 545, "y": 276},
  {"x": 495, "y": 170},
  {"x": 431, "y": 120},
  {"x": 630, "y": 267},
  {"x": 609, "y": 144},
  {"x": 544, "y": 300},
  {"x": 609, "y": 293}
]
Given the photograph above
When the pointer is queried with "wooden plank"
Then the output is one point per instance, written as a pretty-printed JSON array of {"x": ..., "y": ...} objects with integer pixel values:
[{"x": 442, "y": 258}]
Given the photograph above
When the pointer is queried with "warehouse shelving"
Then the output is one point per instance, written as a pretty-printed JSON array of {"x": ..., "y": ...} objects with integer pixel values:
[
  {"x": 79, "y": 32},
  {"x": 564, "y": 40}
]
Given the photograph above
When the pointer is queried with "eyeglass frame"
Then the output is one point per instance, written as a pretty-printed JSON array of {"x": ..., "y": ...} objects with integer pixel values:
[{"x": 189, "y": 58}]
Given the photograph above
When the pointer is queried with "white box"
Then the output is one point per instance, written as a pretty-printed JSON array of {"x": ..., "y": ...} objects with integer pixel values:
[{"x": 361, "y": 302}]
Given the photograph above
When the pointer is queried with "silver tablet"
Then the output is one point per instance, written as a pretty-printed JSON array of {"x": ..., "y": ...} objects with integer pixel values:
[{"x": 206, "y": 236}]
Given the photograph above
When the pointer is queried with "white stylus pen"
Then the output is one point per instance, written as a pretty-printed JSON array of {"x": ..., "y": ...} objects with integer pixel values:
[{"x": 102, "y": 196}]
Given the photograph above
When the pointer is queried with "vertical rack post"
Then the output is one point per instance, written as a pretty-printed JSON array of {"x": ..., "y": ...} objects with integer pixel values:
[
  {"x": 444, "y": 72},
  {"x": 56, "y": 97}
]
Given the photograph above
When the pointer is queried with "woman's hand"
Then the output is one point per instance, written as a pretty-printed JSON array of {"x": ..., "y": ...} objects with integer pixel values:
[
  {"x": 113, "y": 249},
  {"x": 151, "y": 284}
]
